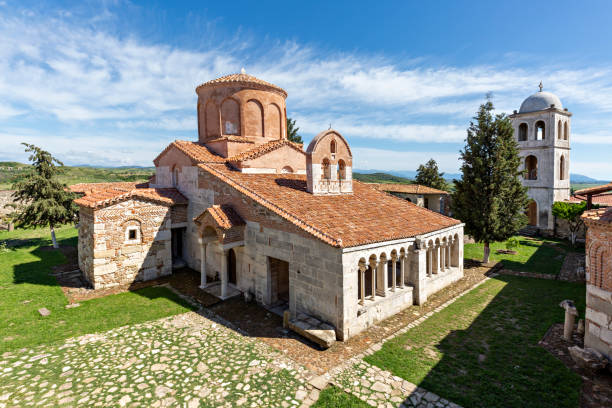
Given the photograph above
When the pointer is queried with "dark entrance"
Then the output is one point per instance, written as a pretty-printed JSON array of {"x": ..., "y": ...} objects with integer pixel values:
[
  {"x": 177, "y": 244},
  {"x": 231, "y": 266},
  {"x": 532, "y": 213},
  {"x": 279, "y": 279}
]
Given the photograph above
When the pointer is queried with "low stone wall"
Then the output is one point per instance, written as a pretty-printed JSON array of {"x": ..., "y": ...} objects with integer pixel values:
[
  {"x": 381, "y": 308},
  {"x": 440, "y": 280}
]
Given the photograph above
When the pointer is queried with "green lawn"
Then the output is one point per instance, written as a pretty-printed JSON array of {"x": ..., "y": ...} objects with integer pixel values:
[
  {"x": 26, "y": 286},
  {"x": 482, "y": 351},
  {"x": 334, "y": 397},
  {"x": 537, "y": 255}
]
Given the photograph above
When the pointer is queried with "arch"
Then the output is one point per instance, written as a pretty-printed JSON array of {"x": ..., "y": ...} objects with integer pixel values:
[
  {"x": 212, "y": 119},
  {"x": 287, "y": 170},
  {"x": 532, "y": 213},
  {"x": 540, "y": 128},
  {"x": 559, "y": 131},
  {"x": 523, "y": 129},
  {"x": 253, "y": 119},
  {"x": 332, "y": 147},
  {"x": 531, "y": 168},
  {"x": 341, "y": 170},
  {"x": 273, "y": 122},
  {"x": 175, "y": 176},
  {"x": 326, "y": 169},
  {"x": 565, "y": 131},
  {"x": 562, "y": 168},
  {"x": 230, "y": 117}
]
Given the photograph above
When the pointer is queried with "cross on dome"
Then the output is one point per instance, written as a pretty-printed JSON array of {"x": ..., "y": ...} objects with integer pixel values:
[{"x": 539, "y": 86}]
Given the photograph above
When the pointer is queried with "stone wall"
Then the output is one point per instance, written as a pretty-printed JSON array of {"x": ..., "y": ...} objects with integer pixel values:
[{"x": 119, "y": 258}]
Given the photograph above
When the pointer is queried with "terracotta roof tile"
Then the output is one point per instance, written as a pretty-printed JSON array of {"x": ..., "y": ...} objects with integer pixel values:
[
  {"x": 242, "y": 78},
  {"x": 224, "y": 216},
  {"x": 104, "y": 197},
  {"x": 198, "y": 152},
  {"x": 595, "y": 190},
  {"x": 407, "y": 188},
  {"x": 121, "y": 185},
  {"x": 599, "y": 215},
  {"x": 366, "y": 216},
  {"x": 265, "y": 148}
]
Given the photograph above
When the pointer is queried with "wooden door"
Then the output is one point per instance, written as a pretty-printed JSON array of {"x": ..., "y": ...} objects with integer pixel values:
[{"x": 532, "y": 213}]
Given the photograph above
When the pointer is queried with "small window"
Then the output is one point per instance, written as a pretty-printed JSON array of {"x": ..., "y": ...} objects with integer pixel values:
[
  {"x": 132, "y": 234},
  {"x": 540, "y": 130},
  {"x": 522, "y": 132},
  {"x": 332, "y": 147}
]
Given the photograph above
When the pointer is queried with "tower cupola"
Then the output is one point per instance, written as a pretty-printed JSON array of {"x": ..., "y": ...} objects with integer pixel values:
[{"x": 329, "y": 164}]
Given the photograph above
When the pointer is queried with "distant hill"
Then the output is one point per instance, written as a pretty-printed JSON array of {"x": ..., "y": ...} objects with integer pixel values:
[
  {"x": 380, "y": 178},
  {"x": 12, "y": 164},
  {"x": 409, "y": 174},
  {"x": 579, "y": 178}
]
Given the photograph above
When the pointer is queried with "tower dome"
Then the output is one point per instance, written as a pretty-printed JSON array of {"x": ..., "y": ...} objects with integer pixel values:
[{"x": 539, "y": 101}]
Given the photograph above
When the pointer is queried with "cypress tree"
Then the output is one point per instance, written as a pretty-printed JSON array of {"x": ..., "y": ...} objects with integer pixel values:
[
  {"x": 490, "y": 198},
  {"x": 292, "y": 131},
  {"x": 429, "y": 175},
  {"x": 47, "y": 202}
]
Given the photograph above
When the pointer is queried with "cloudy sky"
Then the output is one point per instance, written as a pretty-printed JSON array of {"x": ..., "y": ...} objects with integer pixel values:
[{"x": 112, "y": 83}]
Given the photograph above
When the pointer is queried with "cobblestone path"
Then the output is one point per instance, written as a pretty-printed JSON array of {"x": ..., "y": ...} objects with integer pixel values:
[
  {"x": 380, "y": 388},
  {"x": 185, "y": 360}
]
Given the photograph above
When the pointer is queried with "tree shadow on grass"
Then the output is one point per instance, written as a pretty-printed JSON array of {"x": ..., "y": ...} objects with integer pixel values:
[
  {"x": 545, "y": 259},
  {"x": 490, "y": 357}
]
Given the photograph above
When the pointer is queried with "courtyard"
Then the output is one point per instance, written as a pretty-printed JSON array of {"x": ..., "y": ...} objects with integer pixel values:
[{"x": 149, "y": 347}]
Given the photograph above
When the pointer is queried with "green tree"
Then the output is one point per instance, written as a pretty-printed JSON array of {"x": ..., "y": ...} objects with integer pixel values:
[
  {"x": 46, "y": 201},
  {"x": 490, "y": 198},
  {"x": 292, "y": 131},
  {"x": 571, "y": 213},
  {"x": 429, "y": 175}
]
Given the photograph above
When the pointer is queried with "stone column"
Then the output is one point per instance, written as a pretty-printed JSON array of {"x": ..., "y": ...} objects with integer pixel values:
[
  {"x": 381, "y": 276},
  {"x": 224, "y": 276},
  {"x": 442, "y": 257},
  {"x": 393, "y": 273},
  {"x": 403, "y": 270},
  {"x": 418, "y": 274},
  {"x": 430, "y": 261},
  {"x": 373, "y": 270},
  {"x": 361, "y": 272},
  {"x": 203, "y": 283}
]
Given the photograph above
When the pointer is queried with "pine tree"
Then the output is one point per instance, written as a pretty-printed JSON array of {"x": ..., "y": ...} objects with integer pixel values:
[
  {"x": 46, "y": 201},
  {"x": 292, "y": 131},
  {"x": 490, "y": 198},
  {"x": 429, "y": 175}
]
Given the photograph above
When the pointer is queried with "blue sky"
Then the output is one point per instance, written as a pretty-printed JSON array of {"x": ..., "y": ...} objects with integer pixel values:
[{"x": 112, "y": 83}]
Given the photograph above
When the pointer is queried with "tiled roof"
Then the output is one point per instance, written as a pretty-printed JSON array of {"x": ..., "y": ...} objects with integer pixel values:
[
  {"x": 196, "y": 151},
  {"x": 242, "y": 79},
  {"x": 599, "y": 199},
  {"x": 265, "y": 148},
  {"x": 595, "y": 190},
  {"x": 599, "y": 215},
  {"x": 366, "y": 216},
  {"x": 223, "y": 215},
  {"x": 120, "y": 185},
  {"x": 104, "y": 197},
  {"x": 407, "y": 188},
  {"x": 231, "y": 138}
]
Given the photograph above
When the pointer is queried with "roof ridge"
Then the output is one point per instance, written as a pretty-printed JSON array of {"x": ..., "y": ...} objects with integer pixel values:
[
  {"x": 288, "y": 216},
  {"x": 242, "y": 78},
  {"x": 264, "y": 148}
]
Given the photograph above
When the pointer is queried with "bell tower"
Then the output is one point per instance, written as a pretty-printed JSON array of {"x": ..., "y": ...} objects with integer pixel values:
[{"x": 542, "y": 128}]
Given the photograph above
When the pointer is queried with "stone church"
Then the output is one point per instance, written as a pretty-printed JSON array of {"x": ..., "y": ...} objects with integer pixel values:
[
  {"x": 255, "y": 213},
  {"x": 542, "y": 129}
]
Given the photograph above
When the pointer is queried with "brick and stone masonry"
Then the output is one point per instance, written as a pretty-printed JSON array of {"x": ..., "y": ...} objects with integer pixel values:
[{"x": 598, "y": 333}]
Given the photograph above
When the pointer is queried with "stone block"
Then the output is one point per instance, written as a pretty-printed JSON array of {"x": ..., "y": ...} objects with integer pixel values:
[
  {"x": 105, "y": 269},
  {"x": 106, "y": 253},
  {"x": 598, "y": 317},
  {"x": 130, "y": 249}
]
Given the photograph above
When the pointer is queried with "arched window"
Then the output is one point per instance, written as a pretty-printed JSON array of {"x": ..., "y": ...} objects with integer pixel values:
[
  {"x": 332, "y": 147},
  {"x": 326, "y": 169},
  {"x": 175, "y": 177},
  {"x": 531, "y": 166},
  {"x": 559, "y": 132},
  {"x": 540, "y": 130},
  {"x": 565, "y": 132},
  {"x": 562, "y": 168},
  {"x": 287, "y": 170},
  {"x": 341, "y": 170},
  {"x": 230, "y": 117},
  {"x": 522, "y": 132}
]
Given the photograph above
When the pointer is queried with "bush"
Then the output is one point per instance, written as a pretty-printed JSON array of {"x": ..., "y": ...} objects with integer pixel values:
[{"x": 512, "y": 243}]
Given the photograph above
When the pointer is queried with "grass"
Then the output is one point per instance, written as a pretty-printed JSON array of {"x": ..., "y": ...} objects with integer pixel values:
[
  {"x": 537, "y": 255},
  {"x": 482, "y": 351},
  {"x": 334, "y": 397},
  {"x": 26, "y": 286}
]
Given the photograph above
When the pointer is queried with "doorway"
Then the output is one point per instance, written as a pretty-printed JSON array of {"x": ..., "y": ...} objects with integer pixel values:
[
  {"x": 231, "y": 267},
  {"x": 532, "y": 213},
  {"x": 177, "y": 245},
  {"x": 279, "y": 279}
]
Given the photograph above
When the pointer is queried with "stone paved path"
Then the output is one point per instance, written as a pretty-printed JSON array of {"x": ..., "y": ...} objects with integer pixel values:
[
  {"x": 185, "y": 360},
  {"x": 380, "y": 388}
]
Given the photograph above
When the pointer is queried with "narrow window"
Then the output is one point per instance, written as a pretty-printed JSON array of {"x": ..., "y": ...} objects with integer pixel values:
[
  {"x": 559, "y": 132},
  {"x": 562, "y": 168},
  {"x": 531, "y": 167},
  {"x": 565, "y": 132},
  {"x": 132, "y": 234},
  {"x": 332, "y": 147},
  {"x": 522, "y": 132},
  {"x": 326, "y": 169},
  {"x": 540, "y": 130},
  {"x": 341, "y": 170}
]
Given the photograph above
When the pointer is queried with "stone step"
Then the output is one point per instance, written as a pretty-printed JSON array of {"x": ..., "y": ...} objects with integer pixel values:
[{"x": 313, "y": 329}]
